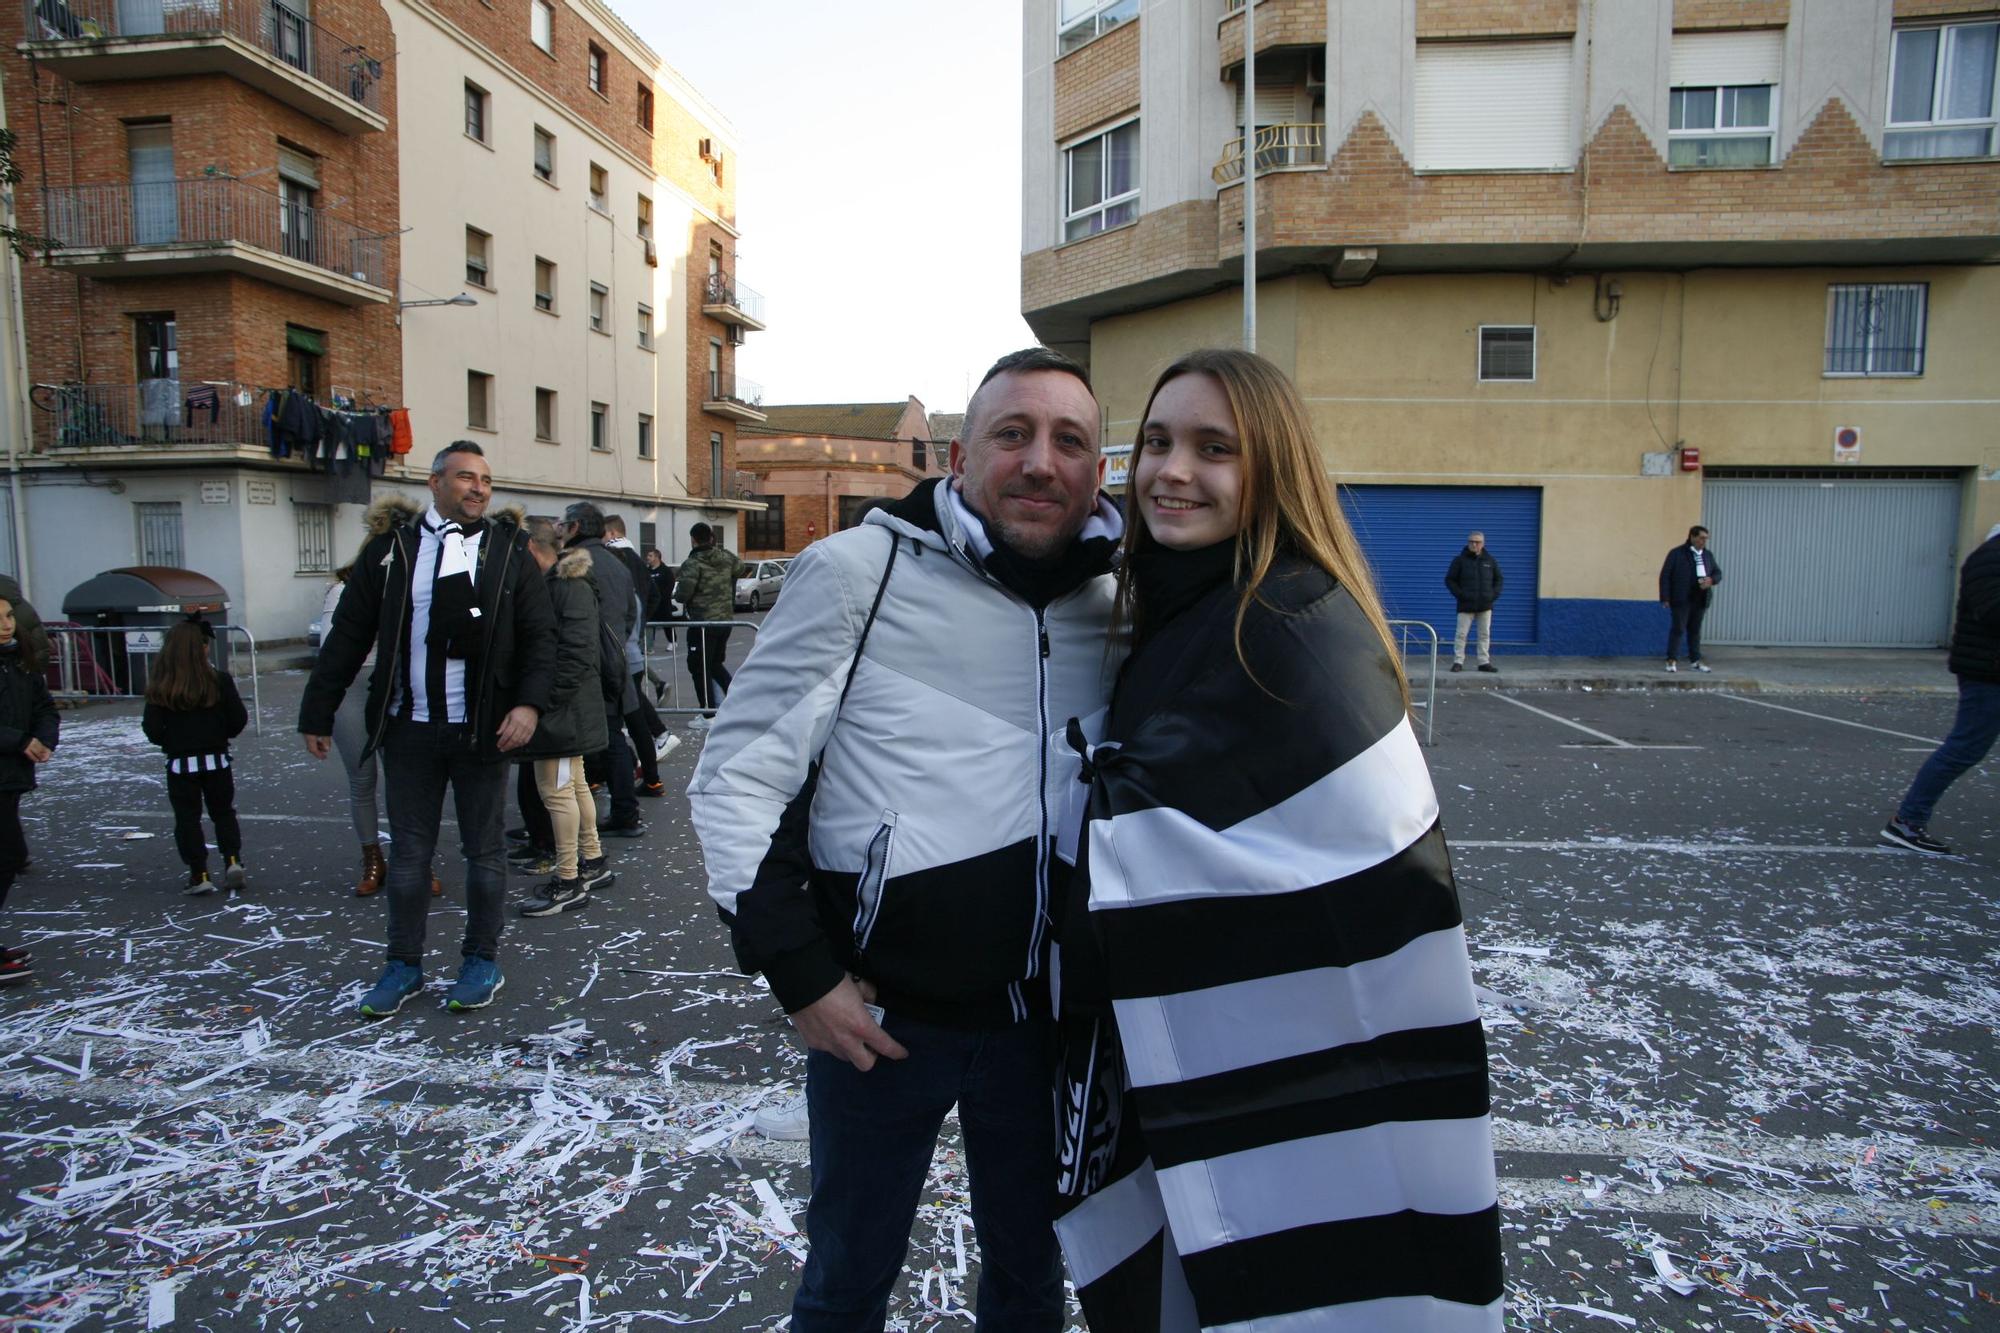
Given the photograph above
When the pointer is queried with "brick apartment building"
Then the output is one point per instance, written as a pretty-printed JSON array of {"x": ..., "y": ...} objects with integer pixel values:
[
  {"x": 255, "y": 197},
  {"x": 1579, "y": 273},
  {"x": 815, "y": 464}
]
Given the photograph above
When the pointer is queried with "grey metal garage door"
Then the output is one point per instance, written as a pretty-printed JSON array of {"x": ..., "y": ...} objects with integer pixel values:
[{"x": 1833, "y": 559}]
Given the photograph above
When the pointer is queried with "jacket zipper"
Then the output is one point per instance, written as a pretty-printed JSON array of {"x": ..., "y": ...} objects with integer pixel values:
[
  {"x": 396, "y": 648},
  {"x": 486, "y": 648},
  {"x": 1040, "y": 924},
  {"x": 874, "y": 884}
]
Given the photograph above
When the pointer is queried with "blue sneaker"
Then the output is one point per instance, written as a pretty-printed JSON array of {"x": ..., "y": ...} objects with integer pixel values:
[
  {"x": 399, "y": 982},
  {"x": 479, "y": 980}
]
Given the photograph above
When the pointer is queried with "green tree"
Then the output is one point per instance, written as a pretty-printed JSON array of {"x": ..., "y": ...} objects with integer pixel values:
[{"x": 22, "y": 243}]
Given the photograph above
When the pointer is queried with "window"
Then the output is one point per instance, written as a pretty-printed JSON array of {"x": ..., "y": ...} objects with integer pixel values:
[
  {"x": 305, "y": 352},
  {"x": 1101, "y": 182},
  {"x": 1723, "y": 109},
  {"x": 715, "y": 486},
  {"x": 1876, "y": 328},
  {"x": 850, "y": 510},
  {"x": 646, "y": 327},
  {"x": 645, "y": 451},
  {"x": 542, "y": 24},
  {"x": 159, "y": 532},
  {"x": 714, "y": 368},
  {"x": 645, "y": 217},
  {"x": 1507, "y": 352},
  {"x": 598, "y": 295},
  {"x": 155, "y": 340},
  {"x": 298, "y": 205},
  {"x": 600, "y": 427},
  {"x": 600, "y": 188},
  {"x": 478, "y": 253},
  {"x": 155, "y": 195},
  {"x": 1941, "y": 92},
  {"x": 645, "y": 108},
  {"x": 596, "y": 69},
  {"x": 545, "y": 415},
  {"x": 766, "y": 531},
  {"x": 478, "y": 400},
  {"x": 1494, "y": 106},
  {"x": 545, "y": 155},
  {"x": 475, "y": 111},
  {"x": 920, "y": 455},
  {"x": 315, "y": 525},
  {"x": 1080, "y": 21},
  {"x": 545, "y": 285},
  {"x": 649, "y": 533}
]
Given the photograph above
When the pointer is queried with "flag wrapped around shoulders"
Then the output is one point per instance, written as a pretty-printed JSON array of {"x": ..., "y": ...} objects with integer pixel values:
[{"x": 1277, "y": 1111}]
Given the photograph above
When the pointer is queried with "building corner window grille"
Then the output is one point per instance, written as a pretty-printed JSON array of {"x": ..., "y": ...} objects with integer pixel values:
[
  {"x": 315, "y": 524},
  {"x": 1876, "y": 328},
  {"x": 1101, "y": 182},
  {"x": 1507, "y": 352},
  {"x": 159, "y": 532}
]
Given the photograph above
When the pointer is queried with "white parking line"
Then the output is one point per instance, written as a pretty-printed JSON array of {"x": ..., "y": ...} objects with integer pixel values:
[
  {"x": 1604, "y": 736},
  {"x": 1782, "y": 708},
  {"x": 1677, "y": 848}
]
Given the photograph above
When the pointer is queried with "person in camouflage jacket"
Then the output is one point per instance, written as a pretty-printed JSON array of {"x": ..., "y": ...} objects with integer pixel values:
[{"x": 707, "y": 589}]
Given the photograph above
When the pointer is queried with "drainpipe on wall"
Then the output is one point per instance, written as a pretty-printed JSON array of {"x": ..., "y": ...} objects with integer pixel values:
[
  {"x": 1250, "y": 175},
  {"x": 14, "y": 380}
]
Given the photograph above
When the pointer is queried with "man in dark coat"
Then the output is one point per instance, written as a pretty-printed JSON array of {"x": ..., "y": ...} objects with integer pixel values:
[
  {"x": 458, "y": 616},
  {"x": 1474, "y": 579},
  {"x": 1975, "y": 660},
  {"x": 1686, "y": 577}
]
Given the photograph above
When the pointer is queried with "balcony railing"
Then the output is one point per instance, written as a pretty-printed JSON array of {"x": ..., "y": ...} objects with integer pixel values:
[
  {"x": 733, "y": 397},
  {"x": 208, "y": 211},
  {"x": 153, "y": 412},
  {"x": 1277, "y": 146},
  {"x": 271, "y": 27},
  {"x": 724, "y": 294}
]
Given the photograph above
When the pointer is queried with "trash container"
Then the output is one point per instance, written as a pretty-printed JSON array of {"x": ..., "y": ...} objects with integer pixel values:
[{"x": 126, "y": 614}]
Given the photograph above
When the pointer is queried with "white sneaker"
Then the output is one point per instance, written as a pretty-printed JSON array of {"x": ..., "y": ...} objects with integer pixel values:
[
  {"x": 1671, "y": 666},
  {"x": 1699, "y": 666},
  {"x": 698, "y": 723},
  {"x": 783, "y": 1118},
  {"x": 668, "y": 741}
]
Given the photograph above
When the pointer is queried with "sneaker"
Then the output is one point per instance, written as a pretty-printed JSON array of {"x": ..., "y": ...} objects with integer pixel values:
[
  {"x": 784, "y": 1118},
  {"x": 635, "y": 829},
  {"x": 555, "y": 897},
  {"x": 1699, "y": 666},
  {"x": 399, "y": 982},
  {"x": 1458, "y": 666},
  {"x": 1671, "y": 666},
  {"x": 652, "y": 790},
  {"x": 698, "y": 723},
  {"x": 666, "y": 745},
  {"x": 518, "y": 835},
  {"x": 596, "y": 873},
  {"x": 1898, "y": 834},
  {"x": 15, "y": 955},
  {"x": 1489, "y": 668},
  {"x": 479, "y": 980},
  {"x": 16, "y": 971},
  {"x": 199, "y": 885},
  {"x": 233, "y": 877}
]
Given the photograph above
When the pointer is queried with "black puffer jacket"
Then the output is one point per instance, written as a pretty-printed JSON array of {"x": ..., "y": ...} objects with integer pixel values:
[
  {"x": 189, "y": 731},
  {"x": 26, "y": 713},
  {"x": 1975, "y": 637},
  {"x": 573, "y": 723},
  {"x": 517, "y": 659},
  {"x": 1474, "y": 580}
]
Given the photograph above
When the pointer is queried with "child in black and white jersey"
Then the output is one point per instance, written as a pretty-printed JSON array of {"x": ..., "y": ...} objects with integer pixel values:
[{"x": 192, "y": 712}]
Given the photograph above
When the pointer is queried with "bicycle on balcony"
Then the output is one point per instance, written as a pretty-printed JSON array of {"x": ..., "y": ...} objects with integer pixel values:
[{"x": 81, "y": 420}]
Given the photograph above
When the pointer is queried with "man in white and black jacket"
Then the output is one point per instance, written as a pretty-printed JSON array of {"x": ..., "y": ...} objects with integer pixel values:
[
  {"x": 877, "y": 804},
  {"x": 458, "y": 616}
]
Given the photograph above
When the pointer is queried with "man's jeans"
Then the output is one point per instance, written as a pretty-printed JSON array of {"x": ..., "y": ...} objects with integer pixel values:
[
  {"x": 1972, "y": 736},
  {"x": 418, "y": 760},
  {"x": 1686, "y": 618},
  {"x": 1466, "y": 621},
  {"x": 708, "y": 653},
  {"x": 872, "y": 1138}
]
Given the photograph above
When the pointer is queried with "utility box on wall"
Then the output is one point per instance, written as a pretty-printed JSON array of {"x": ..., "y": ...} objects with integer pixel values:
[{"x": 1690, "y": 459}]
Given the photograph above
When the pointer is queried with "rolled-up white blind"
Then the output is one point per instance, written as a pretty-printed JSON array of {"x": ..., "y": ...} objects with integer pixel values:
[
  {"x": 1494, "y": 106},
  {"x": 1727, "y": 59}
]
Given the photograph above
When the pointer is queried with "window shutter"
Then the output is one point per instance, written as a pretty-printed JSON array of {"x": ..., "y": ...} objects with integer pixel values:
[
  {"x": 1494, "y": 106},
  {"x": 301, "y": 168},
  {"x": 1277, "y": 102},
  {"x": 1727, "y": 59}
]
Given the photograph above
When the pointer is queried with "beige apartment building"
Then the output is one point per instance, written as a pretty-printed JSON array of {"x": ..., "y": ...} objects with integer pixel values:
[{"x": 1576, "y": 273}]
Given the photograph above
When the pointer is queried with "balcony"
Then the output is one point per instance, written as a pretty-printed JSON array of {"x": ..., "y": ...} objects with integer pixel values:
[
  {"x": 262, "y": 43},
  {"x": 151, "y": 415},
  {"x": 1279, "y": 148},
  {"x": 731, "y": 302},
  {"x": 734, "y": 397},
  {"x": 214, "y": 225}
]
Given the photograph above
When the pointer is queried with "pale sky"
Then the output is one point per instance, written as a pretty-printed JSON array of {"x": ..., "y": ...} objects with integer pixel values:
[{"x": 880, "y": 190}]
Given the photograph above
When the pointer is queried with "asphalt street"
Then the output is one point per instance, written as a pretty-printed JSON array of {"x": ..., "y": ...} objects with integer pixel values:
[{"x": 1725, "y": 1029}]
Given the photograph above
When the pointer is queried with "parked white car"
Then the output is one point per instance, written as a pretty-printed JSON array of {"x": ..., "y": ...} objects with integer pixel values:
[{"x": 759, "y": 588}]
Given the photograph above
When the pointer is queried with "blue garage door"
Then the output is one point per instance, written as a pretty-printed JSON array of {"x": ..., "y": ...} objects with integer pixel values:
[{"x": 1411, "y": 533}]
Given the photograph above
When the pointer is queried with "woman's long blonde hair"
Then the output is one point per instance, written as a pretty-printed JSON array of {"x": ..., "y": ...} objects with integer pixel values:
[{"x": 1287, "y": 498}]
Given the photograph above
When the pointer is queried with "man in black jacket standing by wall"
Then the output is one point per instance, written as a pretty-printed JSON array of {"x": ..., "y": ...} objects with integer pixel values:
[
  {"x": 1685, "y": 579},
  {"x": 459, "y": 618},
  {"x": 1975, "y": 660},
  {"x": 1474, "y": 579}
]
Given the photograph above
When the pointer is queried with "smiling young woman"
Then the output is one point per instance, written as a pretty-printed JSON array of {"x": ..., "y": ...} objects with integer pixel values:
[{"x": 1273, "y": 1065}]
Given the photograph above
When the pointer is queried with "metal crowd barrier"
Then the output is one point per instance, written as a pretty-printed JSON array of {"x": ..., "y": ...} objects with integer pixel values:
[
  {"x": 663, "y": 639},
  {"x": 88, "y": 662},
  {"x": 1404, "y": 629}
]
